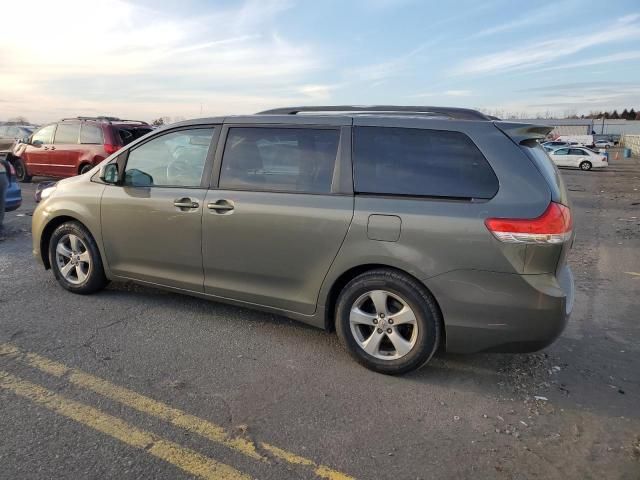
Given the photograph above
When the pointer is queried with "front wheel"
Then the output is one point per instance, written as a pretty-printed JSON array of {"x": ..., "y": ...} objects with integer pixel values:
[
  {"x": 75, "y": 259},
  {"x": 21, "y": 170},
  {"x": 388, "y": 322},
  {"x": 585, "y": 165}
]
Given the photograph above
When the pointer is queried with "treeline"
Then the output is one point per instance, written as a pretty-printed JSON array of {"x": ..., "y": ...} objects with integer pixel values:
[{"x": 625, "y": 115}]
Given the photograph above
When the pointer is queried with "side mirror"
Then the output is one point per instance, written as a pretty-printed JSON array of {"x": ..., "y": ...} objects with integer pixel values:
[{"x": 110, "y": 174}]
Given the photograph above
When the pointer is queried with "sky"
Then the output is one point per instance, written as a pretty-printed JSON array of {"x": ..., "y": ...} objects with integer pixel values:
[{"x": 196, "y": 58}]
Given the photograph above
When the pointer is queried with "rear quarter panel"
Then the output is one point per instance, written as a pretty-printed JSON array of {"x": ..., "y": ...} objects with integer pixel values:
[{"x": 440, "y": 235}]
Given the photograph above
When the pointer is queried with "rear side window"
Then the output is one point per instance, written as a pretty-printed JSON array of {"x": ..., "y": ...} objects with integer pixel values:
[
  {"x": 67, "y": 133},
  {"x": 279, "y": 159},
  {"x": 416, "y": 162},
  {"x": 91, "y": 134}
]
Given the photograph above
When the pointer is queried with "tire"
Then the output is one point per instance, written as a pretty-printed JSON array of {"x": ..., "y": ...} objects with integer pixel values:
[
  {"x": 585, "y": 165},
  {"x": 85, "y": 168},
  {"x": 85, "y": 272},
  {"x": 393, "y": 291},
  {"x": 21, "y": 170}
]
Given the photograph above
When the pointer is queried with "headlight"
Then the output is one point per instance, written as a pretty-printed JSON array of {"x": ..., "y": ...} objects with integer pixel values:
[{"x": 45, "y": 193}]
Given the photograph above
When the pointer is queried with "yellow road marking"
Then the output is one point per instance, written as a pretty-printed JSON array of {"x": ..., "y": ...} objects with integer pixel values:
[
  {"x": 635, "y": 274},
  {"x": 165, "y": 412},
  {"x": 184, "y": 458}
]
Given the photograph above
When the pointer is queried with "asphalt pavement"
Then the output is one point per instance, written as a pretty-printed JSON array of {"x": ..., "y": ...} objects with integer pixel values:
[{"x": 136, "y": 383}]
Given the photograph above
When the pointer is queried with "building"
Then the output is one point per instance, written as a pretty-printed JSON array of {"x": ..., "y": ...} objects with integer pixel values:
[{"x": 607, "y": 128}]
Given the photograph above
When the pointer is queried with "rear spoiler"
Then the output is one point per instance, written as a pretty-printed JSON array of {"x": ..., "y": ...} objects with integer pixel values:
[{"x": 518, "y": 132}]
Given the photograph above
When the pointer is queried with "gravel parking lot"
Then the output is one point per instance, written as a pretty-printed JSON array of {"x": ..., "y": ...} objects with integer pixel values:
[{"x": 150, "y": 384}]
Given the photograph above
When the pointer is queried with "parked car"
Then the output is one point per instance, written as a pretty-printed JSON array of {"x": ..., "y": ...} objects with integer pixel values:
[
  {"x": 582, "y": 158},
  {"x": 405, "y": 233},
  {"x": 11, "y": 134},
  {"x": 10, "y": 193},
  {"x": 73, "y": 146},
  {"x": 555, "y": 144},
  {"x": 603, "y": 144}
]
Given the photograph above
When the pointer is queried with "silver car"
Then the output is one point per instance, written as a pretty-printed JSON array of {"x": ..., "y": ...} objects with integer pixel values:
[{"x": 405, "y": 229}]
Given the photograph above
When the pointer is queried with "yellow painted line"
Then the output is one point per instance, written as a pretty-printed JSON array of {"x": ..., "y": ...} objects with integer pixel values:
[
  {"x": 320, "y": 470},
  {"x": 167, "y": 413},
  {"x": 635, "y": 274},
  {"x": 184, "y": 458}
]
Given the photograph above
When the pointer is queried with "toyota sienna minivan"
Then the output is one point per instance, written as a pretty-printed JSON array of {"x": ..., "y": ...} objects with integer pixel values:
[{"x": 405, "y": 229}]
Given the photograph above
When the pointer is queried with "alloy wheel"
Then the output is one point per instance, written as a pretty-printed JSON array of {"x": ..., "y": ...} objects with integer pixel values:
[
  {"x": 73, "y": 259},
  {"x": 383, "y": 325}
]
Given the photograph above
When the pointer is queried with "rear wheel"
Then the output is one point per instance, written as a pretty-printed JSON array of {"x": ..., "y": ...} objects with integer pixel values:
[
  {"x": 585, "y": 165},
  {"x": 388, "y": 322},
  {"x": 21, "y": 170},
  {"x": 75, "y": 259},
  {"x": 85, "y": 168}
]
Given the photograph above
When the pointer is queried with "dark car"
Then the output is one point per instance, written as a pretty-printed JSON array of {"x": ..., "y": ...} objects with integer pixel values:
[
  {"x": 73, "y": 146},
  {"x": 10, "y": 193},
  {"x": 11, "y": 134},
  {"x": 406, "y": 229}
]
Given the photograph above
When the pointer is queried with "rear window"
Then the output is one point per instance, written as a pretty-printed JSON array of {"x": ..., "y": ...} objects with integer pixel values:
[
  {"x": 417, "y": 162},
  {"x": 128, "y": 135}
]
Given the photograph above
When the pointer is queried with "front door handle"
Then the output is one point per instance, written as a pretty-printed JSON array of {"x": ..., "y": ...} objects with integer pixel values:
[
  {"x": 53, "y": 148},
  {"x": 185, "y": 203},
  {"x": 221, "y": 206}
]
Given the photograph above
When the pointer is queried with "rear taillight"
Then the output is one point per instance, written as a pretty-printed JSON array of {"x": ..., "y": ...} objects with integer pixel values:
[
  {"x": 552, "y": 227},
  {"x": 109, "y": 148}
]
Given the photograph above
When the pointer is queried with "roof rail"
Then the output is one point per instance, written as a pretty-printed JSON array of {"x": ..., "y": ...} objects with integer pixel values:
[
  {"x": 455, "y": 113},
  {"x": 104, "y": 119}
]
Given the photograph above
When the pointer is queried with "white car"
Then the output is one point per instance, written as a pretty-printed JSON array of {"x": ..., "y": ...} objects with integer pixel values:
[
  {"x": 603, "y": 144},
  {"x": 582, "y": 158}
]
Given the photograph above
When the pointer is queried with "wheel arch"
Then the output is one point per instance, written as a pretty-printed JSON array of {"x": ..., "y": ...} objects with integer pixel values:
[
  {"x": 345, "y": 277},
  {"x": 82, "y": 165},
  {"x": 48, "y": 230}
]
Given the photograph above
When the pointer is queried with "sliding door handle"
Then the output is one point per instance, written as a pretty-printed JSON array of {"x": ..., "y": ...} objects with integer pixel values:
[
  {"x": 221, "y": 206},
  {"x": 185, "y": 203}
]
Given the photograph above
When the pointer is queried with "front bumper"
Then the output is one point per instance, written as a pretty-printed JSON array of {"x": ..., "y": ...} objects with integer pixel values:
[{"x": 502, "y": 312}]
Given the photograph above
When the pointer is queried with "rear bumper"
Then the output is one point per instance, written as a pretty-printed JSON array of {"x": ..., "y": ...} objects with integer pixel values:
[{"x": 501, "y": 312}]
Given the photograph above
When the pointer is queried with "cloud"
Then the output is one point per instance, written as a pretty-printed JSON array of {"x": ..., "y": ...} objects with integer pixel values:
[
  {"x": 529, "y": 18},
  {"x": 116, "y": 54},
  {"x": 613, "y": 58},
  {"x": 543, "y": 52}
]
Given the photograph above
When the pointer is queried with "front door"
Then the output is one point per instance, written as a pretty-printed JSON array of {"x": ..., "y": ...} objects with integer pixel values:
[
  {"x": 561, "y": 157},
  {"x": 275, "y": 225},
  {"x": 37, "y": 156},
  {"x": 152, "y": 222}
]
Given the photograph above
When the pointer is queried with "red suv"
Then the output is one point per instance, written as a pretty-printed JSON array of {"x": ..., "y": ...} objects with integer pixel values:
[{"x": 73, "y": 146}]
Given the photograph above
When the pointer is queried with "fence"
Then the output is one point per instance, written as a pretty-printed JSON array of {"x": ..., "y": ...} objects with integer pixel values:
[{"x": 632, "y": 142}]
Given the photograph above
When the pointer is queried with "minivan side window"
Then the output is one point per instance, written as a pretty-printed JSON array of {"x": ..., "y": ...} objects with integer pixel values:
[
  {"x": 90, "y": 134},
  {"x": 299, "y": 160},
  {"x": 419, "y": 162},
  {"x": 175, "y": 159},
  {"x": 67, "y": 133},
  {"x": 44, "y": 135}
]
